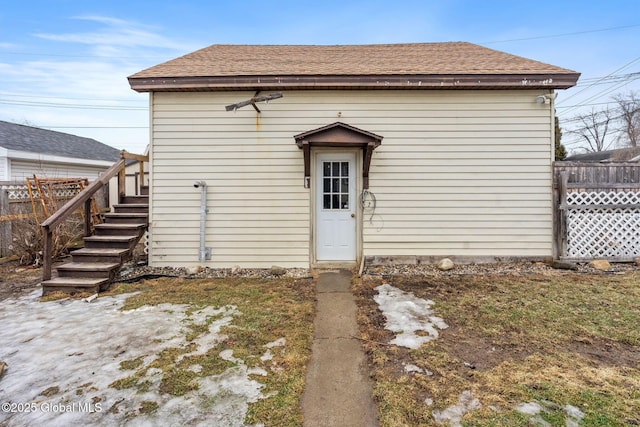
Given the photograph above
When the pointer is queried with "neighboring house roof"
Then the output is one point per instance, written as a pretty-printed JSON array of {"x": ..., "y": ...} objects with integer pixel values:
[
  {"x": 385, "y": 66},
  {"x": 35, "y": 140},
  {"x": 618, "y": 155}
]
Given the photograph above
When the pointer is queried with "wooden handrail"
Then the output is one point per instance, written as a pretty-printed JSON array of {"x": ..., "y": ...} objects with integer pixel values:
[
  {"x": 73, "y": 204},
  {"x": 131, "y": 156},
  {"x": 82, "y": 198}
]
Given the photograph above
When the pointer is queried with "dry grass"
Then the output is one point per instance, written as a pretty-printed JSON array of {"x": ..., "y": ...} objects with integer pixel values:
[
  {"x": 271, "y": 309},
  {"x": 562, "y": 339}
]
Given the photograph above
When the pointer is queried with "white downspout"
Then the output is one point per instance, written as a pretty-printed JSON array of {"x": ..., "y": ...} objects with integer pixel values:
[{"x": 205, "y": 253}]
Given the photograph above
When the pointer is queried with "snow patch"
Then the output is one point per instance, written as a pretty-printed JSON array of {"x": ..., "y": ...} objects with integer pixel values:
[
  {"x": 573, "y": 418},
  {"x": 409, "y": 368},
  {"x": 280, "y": 342},
  {"x": 266, "y": 356},
  {"x": 204, "y": 342},
  {"x": 574, "y": 412},
  {"x": 406, "y": 314},
  {"x": 453, "y": 414},
  {"x": 530, "y": 408},
  {"x": 412, "y": 368},
  {"x": 74, "y": 350}
]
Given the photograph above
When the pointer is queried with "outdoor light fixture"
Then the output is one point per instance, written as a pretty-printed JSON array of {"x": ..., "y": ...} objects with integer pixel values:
[
  {"x": 545, "y": 99},
  {"x": 541, "y": 99}
]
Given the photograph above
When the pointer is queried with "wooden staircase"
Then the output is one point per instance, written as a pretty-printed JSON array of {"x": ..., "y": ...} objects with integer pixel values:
[
  {"x": 106, "y": 246},
  {"x": 94, "y": 267}
]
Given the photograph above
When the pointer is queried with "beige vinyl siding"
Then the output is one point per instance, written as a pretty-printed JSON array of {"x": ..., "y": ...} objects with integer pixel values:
[
  {"x": 258, "y": 209},
  {"x": 458, "y": 173},
  {"x": 22, "y": 169}
]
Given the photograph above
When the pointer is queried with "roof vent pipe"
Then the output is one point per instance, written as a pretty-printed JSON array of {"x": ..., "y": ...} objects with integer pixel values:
[{"x": 205, "y": 253}]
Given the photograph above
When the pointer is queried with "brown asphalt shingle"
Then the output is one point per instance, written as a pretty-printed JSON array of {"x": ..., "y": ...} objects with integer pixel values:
[{"x": 457, "y": 58}]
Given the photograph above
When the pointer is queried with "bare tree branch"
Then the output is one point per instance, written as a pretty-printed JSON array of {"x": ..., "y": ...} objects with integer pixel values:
[
  {"x": 629, "y": 113},
  {"x": 595, "y": 130}
]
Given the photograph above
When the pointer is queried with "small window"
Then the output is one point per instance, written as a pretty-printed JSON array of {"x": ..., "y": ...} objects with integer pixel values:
[{"x": 335, "y": 186}]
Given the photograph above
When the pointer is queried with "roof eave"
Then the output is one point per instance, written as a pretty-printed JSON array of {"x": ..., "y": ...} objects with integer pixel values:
[
  {"x": 58, "y": 159},
  {"x": 359, "y": 82}
]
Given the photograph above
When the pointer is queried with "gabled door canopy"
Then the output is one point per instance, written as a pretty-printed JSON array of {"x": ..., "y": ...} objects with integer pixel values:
[{"x": 338, "y": 135}]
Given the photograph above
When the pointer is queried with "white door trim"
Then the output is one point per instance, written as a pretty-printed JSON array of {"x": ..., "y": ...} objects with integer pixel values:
[{"x": 348, "y": 248}]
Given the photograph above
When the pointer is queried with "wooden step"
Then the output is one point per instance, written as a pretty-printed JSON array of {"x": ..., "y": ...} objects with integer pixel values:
[
  {"x": 114, "y": 229},
  {"x": 126, "y": 218},
  {"x": 131, "y": 207},
  {"x": 104, "y": 270},
  {"x": 135, "y": 199},
  {"x": 106, "y": 255},
  {"x": 114, "y": 242},
  {"x": 72, "y": 285}
]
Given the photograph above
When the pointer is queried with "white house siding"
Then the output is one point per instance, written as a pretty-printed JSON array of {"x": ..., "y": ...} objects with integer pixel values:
[
  {"x": 4, "y": 167},
  {"x": 21, "y": 169},
  {"x": 464, "y": 173}
]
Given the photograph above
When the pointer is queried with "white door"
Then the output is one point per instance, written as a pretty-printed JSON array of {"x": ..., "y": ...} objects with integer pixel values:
[{"x": 335, "y": 207}]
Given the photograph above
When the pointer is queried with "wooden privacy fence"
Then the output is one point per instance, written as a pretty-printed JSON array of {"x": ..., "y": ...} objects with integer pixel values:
[
  {"x": 597, "y": 211},
  {"x": 15, "y": 204}
]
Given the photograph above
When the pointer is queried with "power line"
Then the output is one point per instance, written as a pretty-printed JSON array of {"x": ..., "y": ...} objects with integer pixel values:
[
  {"x": 622, "y": 27},
  {"x": 18, "y": 95},
  {"x": 59, "y": 55},
  {"x": 585, "y": 105},
  {"x": 563, "y": 34},
  {"x": 94, "y": 127},
  {"x": 600, "y": 94},
  {"x": 71, "y": 106},
  {"x": 628, "y": 64},
  {"x": 594, "y": 81}
]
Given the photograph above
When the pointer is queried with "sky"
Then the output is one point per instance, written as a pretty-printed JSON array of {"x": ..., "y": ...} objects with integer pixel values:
[{"x": 64, "y": 63}]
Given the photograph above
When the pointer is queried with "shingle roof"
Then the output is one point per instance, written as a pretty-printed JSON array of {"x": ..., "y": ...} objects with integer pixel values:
[
  {"x": 232, "y": 66},
  {"x": 617, "y": 155},
  {"x": 18, "y": 137}
]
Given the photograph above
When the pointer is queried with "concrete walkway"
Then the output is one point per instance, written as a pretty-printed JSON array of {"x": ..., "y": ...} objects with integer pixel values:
[{"x": 338, "y": 391}]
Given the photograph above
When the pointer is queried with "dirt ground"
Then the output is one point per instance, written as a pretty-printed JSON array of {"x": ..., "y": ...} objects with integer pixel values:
[
  {"x": 536, "y": 350},
  {"x": 463, "y": 344},
  {"x": 17, "y": 280}
]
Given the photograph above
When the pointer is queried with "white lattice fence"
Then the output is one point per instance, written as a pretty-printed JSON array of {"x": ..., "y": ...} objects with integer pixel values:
[
  {"x": 17, "y": 192},
  {"x": 603, "y": 232}
]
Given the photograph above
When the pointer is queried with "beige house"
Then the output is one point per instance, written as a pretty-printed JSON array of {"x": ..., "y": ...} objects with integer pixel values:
[{"x": 332, "y": 154}]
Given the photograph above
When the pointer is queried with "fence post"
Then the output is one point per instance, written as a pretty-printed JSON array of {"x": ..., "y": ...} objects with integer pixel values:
[
  {"x": 5, "y": 226},
  {"x": 555, "y": 203},
  {"x": 563, "y": 213}
]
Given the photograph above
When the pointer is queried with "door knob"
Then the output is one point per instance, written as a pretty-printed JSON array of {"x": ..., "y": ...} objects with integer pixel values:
[{"x": 353, "y": 215}]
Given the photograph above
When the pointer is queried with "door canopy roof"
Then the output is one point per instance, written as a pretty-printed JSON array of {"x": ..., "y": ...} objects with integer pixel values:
[{"x": 338, "y": 135}]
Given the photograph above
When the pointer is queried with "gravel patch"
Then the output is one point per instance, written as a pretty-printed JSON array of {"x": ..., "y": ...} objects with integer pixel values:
[
  {"x": 510, "y": 268},
  {"x": 134, "y": 272},
  {"x": 137, "y": 271}
]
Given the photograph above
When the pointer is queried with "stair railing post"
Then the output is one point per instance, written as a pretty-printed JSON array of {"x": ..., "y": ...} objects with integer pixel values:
[
  {"x": 87, "y": 218},
  {"x": 47, "y": 255},
  {"x": 141, "y": 180},
  {"x": 121, "y": 185}
]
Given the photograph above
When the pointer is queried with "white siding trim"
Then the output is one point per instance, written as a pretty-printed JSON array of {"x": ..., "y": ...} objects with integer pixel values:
[
  {"x": 26, "y": 155},
  {"x": 4, "y": 165},
  {"x": 21, "y": 169}
]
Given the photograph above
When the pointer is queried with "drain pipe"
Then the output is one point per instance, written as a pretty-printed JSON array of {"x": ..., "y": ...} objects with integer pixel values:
[{"x": 205, "y": 253}]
